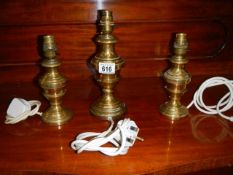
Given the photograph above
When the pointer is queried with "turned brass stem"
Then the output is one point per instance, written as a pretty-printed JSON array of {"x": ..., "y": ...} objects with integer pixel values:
[
  {"x": 107, "y": 106},
  {"x": 176, "y": 80},
  {"x": 53, "y": 85}
]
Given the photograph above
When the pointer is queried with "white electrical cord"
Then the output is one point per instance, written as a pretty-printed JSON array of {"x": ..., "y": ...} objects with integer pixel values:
[
  {"x": 20, "y": 109},
  {"x": 122, "y": 137},
  {"x": 224, "y": 104}
]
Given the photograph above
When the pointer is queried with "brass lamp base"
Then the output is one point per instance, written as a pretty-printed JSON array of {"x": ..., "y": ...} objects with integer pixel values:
[
  {"x": 173, "y": 111},
  {"x": 176, "y": 80},
  {"x": 56, "y": 115},
  {"x": 108, "y": 108}
]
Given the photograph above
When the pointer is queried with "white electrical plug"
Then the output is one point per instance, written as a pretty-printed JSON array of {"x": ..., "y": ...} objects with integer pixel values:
[
  {"x": 19, "y": 109},
  {"x": 131, "y": 131}
]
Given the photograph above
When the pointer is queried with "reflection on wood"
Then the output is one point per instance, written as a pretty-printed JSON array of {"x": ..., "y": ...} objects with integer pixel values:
[{"x": 201, "y": 131}]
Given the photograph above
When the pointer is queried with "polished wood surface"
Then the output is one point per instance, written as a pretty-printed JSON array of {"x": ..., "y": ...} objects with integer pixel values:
[
  {"x": 195, "y": 143},
  {"x": 83, "y": 11}
]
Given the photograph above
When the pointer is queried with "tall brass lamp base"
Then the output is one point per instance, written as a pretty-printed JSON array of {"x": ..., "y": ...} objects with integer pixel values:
[{"x": 107, "y": 65}]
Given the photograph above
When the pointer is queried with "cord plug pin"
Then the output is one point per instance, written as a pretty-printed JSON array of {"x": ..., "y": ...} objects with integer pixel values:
[{"x": 131, "y": 130}]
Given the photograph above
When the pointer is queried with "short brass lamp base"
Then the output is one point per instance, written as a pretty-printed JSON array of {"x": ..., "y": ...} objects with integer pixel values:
[
  {"x": 56, "y": 115},
  {"x": 108, "y": 108},
  {"x": 53, "y": 85},
  {"x": 173, "y": 111},
  {"x": 176, "y": 79}
]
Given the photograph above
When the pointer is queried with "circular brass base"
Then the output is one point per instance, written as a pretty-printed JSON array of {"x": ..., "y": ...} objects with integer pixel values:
[
  {"x": 173, "y": 111},
  {"x": 56, "y": 116},
  {"x": 106, "y": 109}
]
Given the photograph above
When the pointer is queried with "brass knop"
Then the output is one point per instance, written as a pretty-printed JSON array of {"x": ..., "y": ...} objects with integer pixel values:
[
  {"x": 107, "y": 65},
  {"x": 176, "y": 80},
  {"x": 53, "y": 85}
]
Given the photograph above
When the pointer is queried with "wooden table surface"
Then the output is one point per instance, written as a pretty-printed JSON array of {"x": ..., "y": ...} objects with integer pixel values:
[{"x": 195, "y": 143}]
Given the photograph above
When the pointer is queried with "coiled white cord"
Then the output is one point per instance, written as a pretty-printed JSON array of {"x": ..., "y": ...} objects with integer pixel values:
[
  {"x": 122, "y": 137},
  {"x": 224, "y": 104}
]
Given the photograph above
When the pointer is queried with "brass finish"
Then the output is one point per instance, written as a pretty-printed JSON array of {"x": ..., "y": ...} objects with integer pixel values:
[
  {"x": 176, "y": 80},
  {"x": 53, "y": 84},
  {"x": 106, "y": 106}
]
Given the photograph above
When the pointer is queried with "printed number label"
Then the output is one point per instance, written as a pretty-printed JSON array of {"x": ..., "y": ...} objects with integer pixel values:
[{"x": 107, "y": 68}]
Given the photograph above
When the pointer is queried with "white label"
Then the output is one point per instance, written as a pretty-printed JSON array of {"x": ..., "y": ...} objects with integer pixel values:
[{"x": 107, "y": 68}]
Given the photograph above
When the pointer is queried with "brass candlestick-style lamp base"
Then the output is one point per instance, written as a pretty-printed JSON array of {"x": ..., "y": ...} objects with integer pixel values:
[
  {"x": 173, "y": 111},
  {"x": 56, "y": 115},
  {"x": 107, "y": 65},
  {"x": 176, "y": 80},
  {"x": 108, "y": 107},
  {"x": 53, "y": 84}
]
